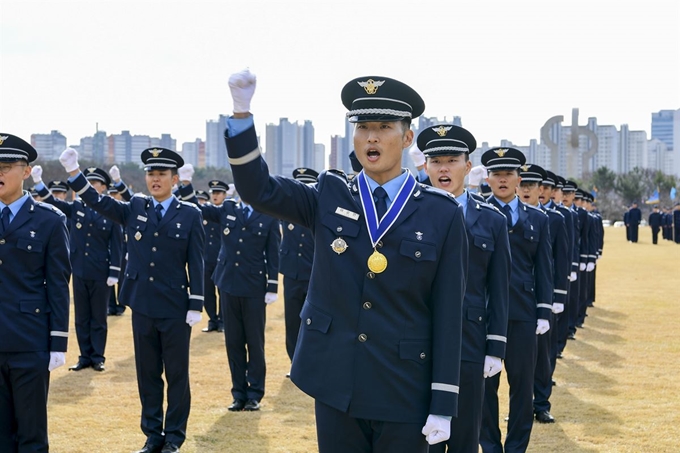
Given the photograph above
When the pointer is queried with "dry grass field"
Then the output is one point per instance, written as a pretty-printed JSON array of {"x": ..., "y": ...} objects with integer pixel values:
[{"x": 617, "y": 385}]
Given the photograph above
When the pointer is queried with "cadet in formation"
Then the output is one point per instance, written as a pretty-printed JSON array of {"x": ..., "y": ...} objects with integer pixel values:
[
  {"x": 633, "y": 223},
  {"x": 120, "y": 192},
  {"x": 34, "y": 302},
  {"x": 656, "y": 223}
]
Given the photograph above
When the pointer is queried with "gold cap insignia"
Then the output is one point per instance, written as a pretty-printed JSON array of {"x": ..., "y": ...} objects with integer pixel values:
[
  {"x": 3, "y": 138},
  {"x": 371, "y": 86},
  {"x": 501, "y": 152},
  {"x": 91, "y": 169},
  {"x": 525, "y": 167},
  {"x": 442, "y": 131},
  {"x": 213, "y": 183},
  {"x": 302, "y": 170},
  {"x": 155, "y": 152}
]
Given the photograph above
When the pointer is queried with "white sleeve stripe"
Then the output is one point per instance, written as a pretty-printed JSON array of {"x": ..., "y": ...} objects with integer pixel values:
[
  {"x": 193, "y": 296},
  {"x": 444, "y": 387},
  {"x": 58, "y": 333},
  {"x": 574, "y": 264},
  {"x": 272, "y": 282},
  {"x": 114, "y": 268},
  {"x": 583, "y": 256},
  {"x": 251, "y": 156},
  {"x": 548, "y": 306},
  {"x": 560, "y": 291},
  {"x": 81, "y": 191},
  {"x": 497, "y": 338}
]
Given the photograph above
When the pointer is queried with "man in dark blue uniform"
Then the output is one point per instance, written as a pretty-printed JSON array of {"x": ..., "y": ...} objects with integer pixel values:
[
  {"x": 531, "y": 296},
  {"x": 165, "y": 241},
  {"x": 634, "y": 219},
  {"x": 59, "y": 189},
  {"x": 379, "y": 347},
  {"x": 656, "y": 223},
  {"x": 213, "y": 233},
  {"x": 446, "y": 148},
  {"x": 247, "y": 276},
  {"x": 34, "y": 301},
  {"x": 96, "y": 254},
  {"x": 586, "y": 262},
  {"x": 295, "y": 263},
  {"x": 116, "y": 307}
]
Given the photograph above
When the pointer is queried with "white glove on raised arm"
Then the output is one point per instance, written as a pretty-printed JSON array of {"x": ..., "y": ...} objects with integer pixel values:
[
  {"x": 36, "y": 174},
  {"x": 193, "y": 317},
  {"x": 542, "y": 326},
  {"x": 492, "y": 366},
  {"x": 69, "y": 159},
  {"x": 114, "y": 172},
  {"x": 557, "y": 307},
  {"x": 57, "y": 359},
  {"x": 270, "y": 298},
  {"x": 186, "y": 173},
  {"x": 417, "y": 156},
  {"x": 242, "y": 86},
  {"x": 437, "y": 429}
]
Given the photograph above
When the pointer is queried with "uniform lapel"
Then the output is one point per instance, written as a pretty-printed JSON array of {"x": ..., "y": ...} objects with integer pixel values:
[
  {"x": 472, "y": 212},
  {"x": 173, "y": 210},
  {"x": 22, "y": 216}
]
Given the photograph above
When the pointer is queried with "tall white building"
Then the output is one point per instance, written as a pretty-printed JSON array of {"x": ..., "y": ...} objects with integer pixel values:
[
  {"x": 191, "y": 153},
  {"x": 215, "y": 148},
  {"x": 49, "y": 146},
  {"x": 666, "y": 128},
  {"x": 319, "y": 163}
]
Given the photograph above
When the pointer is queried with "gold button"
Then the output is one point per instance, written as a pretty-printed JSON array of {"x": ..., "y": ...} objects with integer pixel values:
[
  {"x": 150, "y": 279},
  {"x": 370, "y": 275},
  {"x": 363, "y": 337},
  {"x": 309, "y": 321},
  {"x": 367, "y": 305},
  {"x": 423, "y": 355},
  {"x": 418, "y": 254}
]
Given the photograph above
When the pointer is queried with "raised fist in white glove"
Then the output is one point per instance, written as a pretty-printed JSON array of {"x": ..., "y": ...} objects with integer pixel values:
[
  {"x": 57, "y": 359},
  {"x": 232, "y": 189},
  {"x": 437, "y": 429},
  {"x": 417, "y": 156},
  {"x": 542, "y": 326},
  {"x": 270, "y": 298},
  {"x": 36, "y": 174},
  {"x": 186, "y": 172},
  {"x": 573, "y": 277},
  {"x": 193, "y": 317},
  {"x": 590, "y": 267},
  {"x": 111, "y": 281},
  {"x": 69, "y": 159},
  {"x": 557, "y": 308},
  {"x": 114, "y": 172},
  {"x": 582, "y": 267},
  {"x": 242, "y": 86},
  {"x": 492, "y": 366}
]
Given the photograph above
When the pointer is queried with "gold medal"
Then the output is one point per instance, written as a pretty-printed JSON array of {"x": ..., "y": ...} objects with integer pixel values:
[
  {"x": 339, "y": 246},
  {"x": 138, "y": 235},
  {"x": 377, "y": 262}
]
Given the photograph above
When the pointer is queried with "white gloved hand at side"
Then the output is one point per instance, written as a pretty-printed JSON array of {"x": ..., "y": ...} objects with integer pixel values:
[
  {"x": 590, "y": 267},
  {"x": 437, "y": 429},
  {"x": 57, "y": 359},
  {"x": 242, "y": 86},
  {"x": 186, "y": 172},
  {"x": 417, "y": 156},
  {"x": 557, "y": 307},
  {"x": 582, "y": 267},
  {"x": 69, "y": 159},
  {"x": 193, "y": 317},
  {"x": 573, "y": 277},
  {"x": 111, "y": 281},
  {"x": 542, "y": 326},
  {"x": 492, "y": 366},
  {"x": 270, "y": 298},
  {"x": 36, "y": 174},
  {"x": 114, "y": 172}
]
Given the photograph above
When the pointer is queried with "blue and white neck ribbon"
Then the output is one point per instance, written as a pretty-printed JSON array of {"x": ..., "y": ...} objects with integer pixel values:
[{"x": 378, "y": 227}]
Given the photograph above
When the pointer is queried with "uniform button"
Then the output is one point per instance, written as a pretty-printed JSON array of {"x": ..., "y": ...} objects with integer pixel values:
[
  {"x": 303, "y": 235},
  {"x": 89, "y": 234},
  {"x": 152, "y": 264},
  {"x": 90, "y": 224},
  {"x": 177, "y": 235},
  {"x": 362, "y": 337},
  {"x": 422, "y": 356},
  {"x": 236, "y": 264},
  {"x": 153, "y": 249},
  {"x": 379, "y": 244},
  {"x": 37, "y": 310},
  {"x": 480, "y": 318},
  {"x": 367, "y": 305},
  {"x": 260, "y": 272},
  {"x": 243, "y": 229},
  {"x": 300, "y": 245},
  {"x": 87, "y": 244},
  {"x": 418, "y": 254},
  {"x": 483, "y": 246},
  {"x": 0, "y": 262},
  {"x": 240, "y": 240},
  {"x": 150, "y": 279},
  {"x": 156, "y": 234},
  {"x": 338, "y": 229},
  {"x": 309, "y": 321},
  {"x": 29, "y": 247},
  {"x": 2, "y": 242},
  {"x": 238, "y": 252},
  {"x": 370, "y": 275},
  {"x": 299, "y": 254},
  {"x": 532, "y": 238},
  {"x": 85, "y": 253}
]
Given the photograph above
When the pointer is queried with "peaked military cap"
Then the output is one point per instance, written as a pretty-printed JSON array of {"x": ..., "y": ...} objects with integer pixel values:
[
  {"x": 34, "y": 192},
  {"x": 569, "y": 186},
  {"x": 306, "y": 175},
  {"x": 496, "y": 159},
  {"x": 559, "y": 181},
  {"x": 112, "y": 189},
  {"x": 202, "y": 195},
  {"x": 550, "y": 179},
  {"x": 485, "y": 190},
  {"x": 57, "y": 186},
  {"x": 217, "y": 186},
  {"x": 445, "y": 140},
  {"x": 579, "y": 194},
  {"x": 161, "y": 159},
  {"x": 374, "y": 98},
  {"x": 532, "y": 173},
  {"x": 13, "y": 148},
  {"x": 97, "y": 174}
]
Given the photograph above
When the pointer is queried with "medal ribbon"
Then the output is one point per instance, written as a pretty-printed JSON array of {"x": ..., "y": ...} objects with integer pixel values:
[{"x": 378, "y": 227}]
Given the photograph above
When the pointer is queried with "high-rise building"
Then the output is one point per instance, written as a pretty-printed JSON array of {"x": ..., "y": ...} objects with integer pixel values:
[
  {"x": 191, "y": 153},
  {"x": 215, "y": 148},
  {"x": 336, "y": 149},
  {"x": 307, "y": 149},
  {"x": 49, "y": 146},
  {"x": 319, "y": 163},
  {"x": 120, "y": 149},
  {"x": 139, "y": 143},
  {"x": 666, "y": 128}
]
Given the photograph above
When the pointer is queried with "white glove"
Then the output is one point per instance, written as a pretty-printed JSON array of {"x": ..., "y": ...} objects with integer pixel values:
[
  {"x": 557, "y": 308},
  {"x": 590, "y": 267},
  {"x": 114, "y": 172},
  {"x": 232, "y": 189},
  {"x": 477, "y": 175},
  {"x": 57, "y": 359},
  {"x": 111, "y": 281},
  {"x": 36, "y": 174},
  {"x": 242, "y": 86},
  {"x": 69, "y": 159},
  {"x": 582, "y": 267},
  {"x": 573, "y": 277},
  {"x": 417, "y": 156},
  {"x": 186, "y": 172},
  {"x": 492, "y": 366},
  {"x": 193, "y": 317},
  {"x": 542, "y": 326},
  {"x": 437, "y": 429},
  {"x": 270, "y": 298}
]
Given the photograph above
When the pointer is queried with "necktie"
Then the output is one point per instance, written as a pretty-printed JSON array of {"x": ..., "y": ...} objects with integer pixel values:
[
  {"x": 380, "y": 202},
  {"x": 508, "y": 214},
  {"x": 159, "y": 211},
  {"x": 4, "y": 222},
  {"x": 246, "y": 211}
]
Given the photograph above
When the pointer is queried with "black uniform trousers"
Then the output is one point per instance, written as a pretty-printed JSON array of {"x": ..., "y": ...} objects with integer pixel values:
[
  {"x": 634, "y": 232},
  {"x": 162, "y": 345},
  {"x": 24, "y": 383},
  {"x": 655, "y": 235},
  {"x": 583, "y": 289},
  {"x": 574, "y": 294},
  {"x": 466, "y": 427},
  {"x": 544, "y": 367},
  {"x": 337, "y": 432},
  {"x": 244, "y": 320},
  {"x": 294, "y": 295},
  {"x": 210, "y": 298},
  {"x": 520, "y": 360},
  {"x": 90, "y": 302}
]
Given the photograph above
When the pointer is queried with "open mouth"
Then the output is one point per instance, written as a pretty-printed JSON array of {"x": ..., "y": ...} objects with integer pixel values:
[
  {"x": 444, "y": 180},
  {"x": 526, "y": 197},
  {"x": 373, "y": 155}
]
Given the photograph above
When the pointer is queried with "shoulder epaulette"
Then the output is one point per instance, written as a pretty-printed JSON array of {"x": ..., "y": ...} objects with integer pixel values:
[{"x": 49, "y": 207}]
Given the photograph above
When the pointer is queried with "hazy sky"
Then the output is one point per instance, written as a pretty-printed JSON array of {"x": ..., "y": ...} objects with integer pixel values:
[{"x": 505, "y": 67}]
